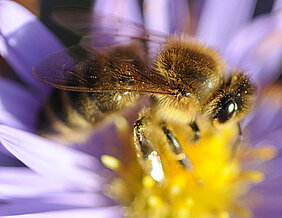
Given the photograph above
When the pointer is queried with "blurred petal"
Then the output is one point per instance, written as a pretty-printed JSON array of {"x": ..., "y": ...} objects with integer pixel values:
[
  {"x": 266, "y": 125},
  {"x": 112, "y": 11},
  {"x": 18, "y": 108},
  {"x": 33, "y": 194},
  {"x": 277, "y": 5},
  {"x": 24, "y": 40},
  {"x": 59, "y": 164},
  {"x": 156, "y": 15},
  {"x": 8, "y": 159},
  {"x": 103, "y": 212},
  {"x": 30, "y": 184},
  {"x": 179, "y": 18},
  {"x": 221, "y": 19},
  {"x": 127, "y": 9},
  {"x": 270, "y": 191},
  {"x": 258, "y": 48}
]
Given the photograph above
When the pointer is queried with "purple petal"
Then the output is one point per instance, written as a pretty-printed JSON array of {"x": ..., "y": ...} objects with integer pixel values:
[
  {"x": 24, "y": 41},
  {"x": 221, "y": 19},
  {"x": 57, "y": 163},
  {"x": 8, "y": 159},
  {"x": 258, "y": 48},
  {"x": 56, "y": 203},
  {"x": 30, "y": 184},
  {"x": 265, "y": 126},
  {"x": 126, "y": 9},
  {"x": 98, "y": 143},
  {"x": 179, "y": 18},
  {"x": 103, "y": 212},
  {"x": 122, "y": 18},
  {"x": 156, "y": 15},
  {"x": 18, "y": 108},
  {"x": 270, "y": 191},
  {"x": 33, "y": 194},
  {"x": 277, "y": 5},
  {"x": 271, "y": 207}
]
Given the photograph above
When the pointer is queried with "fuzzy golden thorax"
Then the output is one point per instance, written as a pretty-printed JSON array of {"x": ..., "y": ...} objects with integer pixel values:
[{"x": 190, "y": 68}]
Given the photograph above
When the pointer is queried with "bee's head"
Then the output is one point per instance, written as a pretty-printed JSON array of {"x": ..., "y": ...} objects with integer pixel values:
[{"x": 233, "y": 101}]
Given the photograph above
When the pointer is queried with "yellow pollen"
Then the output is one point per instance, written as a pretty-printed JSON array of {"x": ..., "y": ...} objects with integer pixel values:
[
  {"x": 148, "y": 182},
  {"x": 154, "y": 201},
  {"x": 189, "y": 202},
  {"x": 175, "y": 189},
  {"x": 110, "y": 162},
  {"x": 121, "y": 124},
  {"x": 223, "y": 214},
  {"x": 214, "y": 188},
  {"x": 254, "y": 176},
  {"x": 266, "y": 153}
]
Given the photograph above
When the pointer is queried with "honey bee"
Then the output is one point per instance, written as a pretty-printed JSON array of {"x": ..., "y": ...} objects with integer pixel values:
[{"x": 184, "y": 80}]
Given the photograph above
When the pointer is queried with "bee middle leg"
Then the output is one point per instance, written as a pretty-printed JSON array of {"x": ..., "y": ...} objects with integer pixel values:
[
  {"x": 237, "y": 142},
  {"x": 196, "y": 130},
  {"x": 176, "y": 148}
]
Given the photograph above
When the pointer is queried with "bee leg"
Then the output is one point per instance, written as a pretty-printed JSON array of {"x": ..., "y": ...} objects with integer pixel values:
[
  {"x": 176, "y": 148},
  {"x": 146, "y": 153},
  {"x": 237, "y": 142},
  {"x": 196, "y": 130}
]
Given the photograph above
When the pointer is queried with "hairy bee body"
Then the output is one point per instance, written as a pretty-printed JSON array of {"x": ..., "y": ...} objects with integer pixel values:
[
  {"x": 180, "y": 62},
  {"x": 71, "y": 115},
  {"x": 185, "y": 80}
]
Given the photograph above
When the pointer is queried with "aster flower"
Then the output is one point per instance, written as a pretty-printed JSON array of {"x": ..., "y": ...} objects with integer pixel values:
[{"x": 71, "y": 182}]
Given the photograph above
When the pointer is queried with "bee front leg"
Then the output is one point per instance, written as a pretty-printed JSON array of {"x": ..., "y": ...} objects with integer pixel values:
[
  {"x": 196, "y": 130},
  {"x": 146, "y": 153},
  {"x": 176, "y": 148},
  {"x": 237, "y": 142}
]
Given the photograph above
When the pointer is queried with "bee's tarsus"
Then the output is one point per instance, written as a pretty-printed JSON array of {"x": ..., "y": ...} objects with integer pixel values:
[
  {"x": 237, "y": 142},
  {"x": 176, "y": 148},
  {"x": 196, "y": 130}
]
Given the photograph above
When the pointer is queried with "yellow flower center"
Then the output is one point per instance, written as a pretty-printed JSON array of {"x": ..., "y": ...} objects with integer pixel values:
[{"x": 217, "y": 186}]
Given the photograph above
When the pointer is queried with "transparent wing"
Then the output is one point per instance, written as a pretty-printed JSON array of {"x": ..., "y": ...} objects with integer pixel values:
[
  {"x": 90, "y": 26},
  {"x": 85, "y": 70}
]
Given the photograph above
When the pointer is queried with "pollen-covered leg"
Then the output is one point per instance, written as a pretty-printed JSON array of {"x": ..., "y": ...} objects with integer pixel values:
[
  {"x": 176, "y": 148},
  {"x": 146, "y": 152}
]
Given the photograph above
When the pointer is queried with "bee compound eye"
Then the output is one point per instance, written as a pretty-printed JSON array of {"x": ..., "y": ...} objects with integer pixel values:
[
  {"x": 227, "y": 111},
  {"x": 230, "y": 107}
]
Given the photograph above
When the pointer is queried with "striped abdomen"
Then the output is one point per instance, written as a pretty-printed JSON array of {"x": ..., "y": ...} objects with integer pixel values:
[{"x": 71, "y": 116}]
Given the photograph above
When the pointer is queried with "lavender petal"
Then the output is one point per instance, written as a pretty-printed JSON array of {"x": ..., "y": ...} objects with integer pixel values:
[
  {"x": 120, "y": 21},
  {"x": 277, "y": 5},
  {"x": 179, "y": 18},
  {"x": 156, "y": 15},
  {"x": 266, "y": 124},
  {"x": 258, "y": 48},
  {"x": 221, "y": 19},
  {"x": 60, "y": 164},
  {"x": 270, "y": 190},
  {"x": 103, "y": 212},
  {"x": 24, "y": 41},
  {"x": 56, "y": 203},
  {"x": 17, "y": 106},
  {"x": 125, "y": 9},
  {"x": 30, "y": 184},
  {"x": 33, "y": 193}
]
